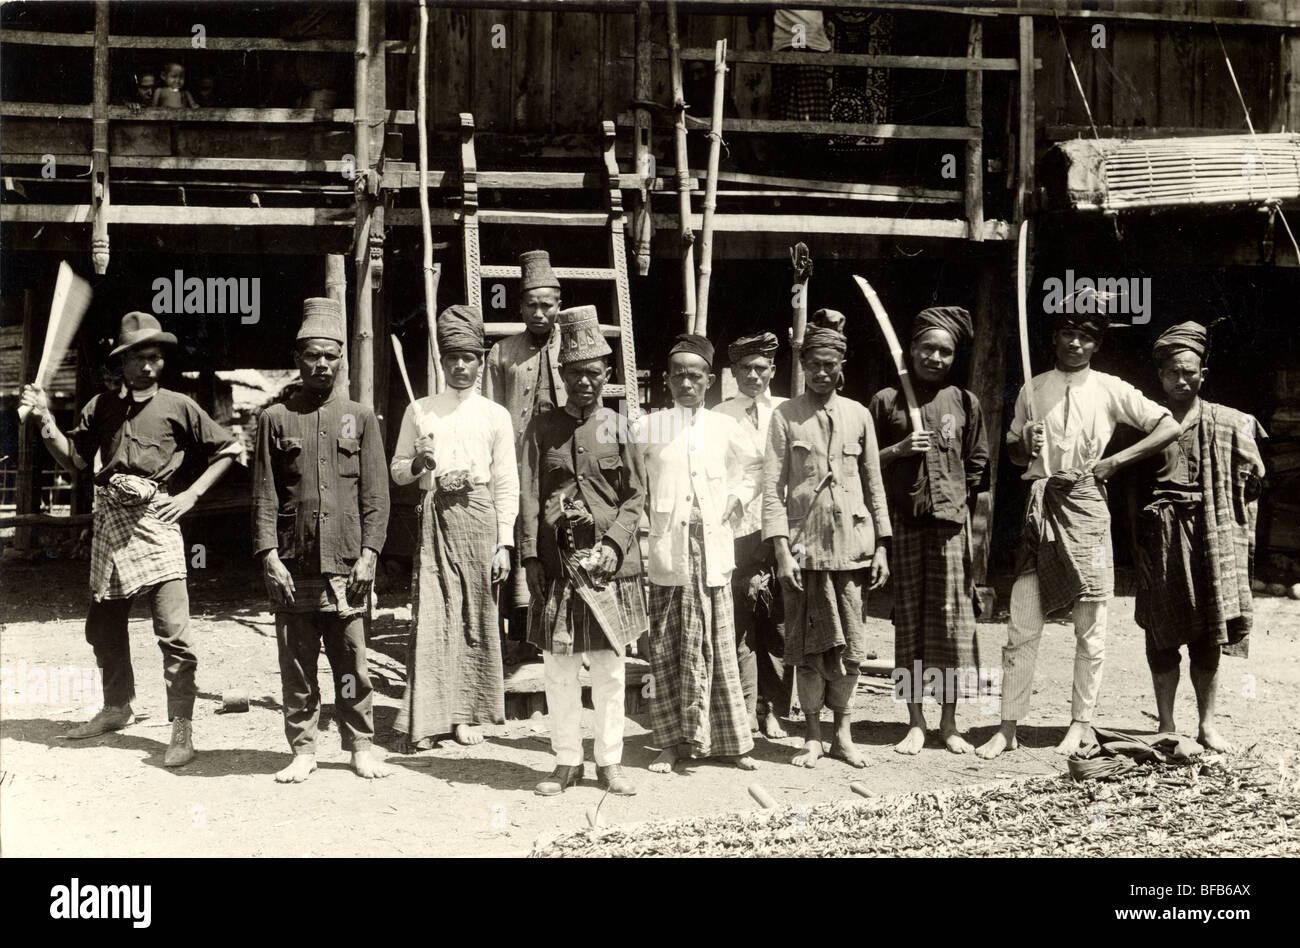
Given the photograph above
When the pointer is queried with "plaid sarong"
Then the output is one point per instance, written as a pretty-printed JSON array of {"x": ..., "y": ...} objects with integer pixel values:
[
  {"x": 131, "y": 548},
  {"x": 801, "y": 93},
  {"x": 697, "y": 698},
  {"x": 826, "y": 624},
  {"x": 1231, "y": 473},
  {"x": 453, "y": 657},
  {"x": 1066, "y": 540},
  {"x": 576, "y": 616},
  {"x": 934, "y": 620}
]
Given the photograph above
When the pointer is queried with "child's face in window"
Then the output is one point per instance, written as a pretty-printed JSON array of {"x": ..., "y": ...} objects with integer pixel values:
[
  {"x": 144, "y": 87},
  {"x": 174, "y": 76}
]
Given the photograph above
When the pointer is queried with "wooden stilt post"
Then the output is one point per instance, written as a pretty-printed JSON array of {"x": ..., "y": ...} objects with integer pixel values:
[
  {"x": 801, "y": 260},
  {"x": 99, "y": 178},
  {"x": 642, "y": 217},
  {"x": 988, "y": 372},
  {"x": 336, "y": 288},
  {"x": 711, "y": 189},
  {"x": 683, "y": 171},
  {"x": 975, "y": 147},
  {"x": 362, "y": 349}
]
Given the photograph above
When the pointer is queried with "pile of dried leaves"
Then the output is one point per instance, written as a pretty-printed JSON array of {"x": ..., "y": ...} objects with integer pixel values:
[{"x": 1218, "y": 806}]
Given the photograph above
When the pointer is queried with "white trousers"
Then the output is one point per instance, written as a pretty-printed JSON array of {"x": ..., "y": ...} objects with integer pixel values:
[
  {"x": 564, "y": 705},
  {"x": 1019, "y": 655}
]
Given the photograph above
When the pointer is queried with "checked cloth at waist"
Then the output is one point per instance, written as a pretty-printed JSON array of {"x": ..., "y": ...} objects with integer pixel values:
[{"x": 132, "y": 549}]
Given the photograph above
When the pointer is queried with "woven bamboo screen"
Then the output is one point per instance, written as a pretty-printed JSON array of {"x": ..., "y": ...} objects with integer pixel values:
[{"x": 1121, "y": 174}]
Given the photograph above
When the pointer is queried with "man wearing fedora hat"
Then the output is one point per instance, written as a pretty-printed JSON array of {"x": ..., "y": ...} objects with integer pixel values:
[
  {"x": 460, "y": 448},
  {"x": 320, "y": 516},
  {"x": 581, "y": 498},
  {"x": 143, "y": 434},
  {"x": 523, "y": 376}
]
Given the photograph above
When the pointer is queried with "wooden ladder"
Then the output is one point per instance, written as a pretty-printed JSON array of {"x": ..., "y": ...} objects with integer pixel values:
[{"x": 614, "y": 272}]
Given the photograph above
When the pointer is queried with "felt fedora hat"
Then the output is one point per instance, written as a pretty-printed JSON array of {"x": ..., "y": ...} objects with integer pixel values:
[{"x": 139, "y": 329}]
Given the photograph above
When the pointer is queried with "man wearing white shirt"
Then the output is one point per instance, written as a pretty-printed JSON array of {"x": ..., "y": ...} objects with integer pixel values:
[
  {"x": 1064, "y": 558},
  {"x": 760, "y": 631},
  {"x": 700, "y": 472},
  {"x": 461, "y": 448}
]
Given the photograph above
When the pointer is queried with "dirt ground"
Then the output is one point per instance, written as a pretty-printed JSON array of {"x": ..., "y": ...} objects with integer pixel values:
[{"x": 112, "y": 797}]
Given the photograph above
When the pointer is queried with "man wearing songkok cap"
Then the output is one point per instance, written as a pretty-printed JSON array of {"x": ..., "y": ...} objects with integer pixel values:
[
  {"x": 460, "y": 447},
  {"x": 824, "y": 510},
  {"x": 699, "y": 468},
  {"x": 143, "y": 434},
  {"x": 1196, "y": 534},
  {"x": 1064, "y": 557},
  {"x": 523, "y": 375},
  {"x": 320, "y": 517},
  {"x": 760, "y": 626},
  {"x": 581, "y": 498},
  {"x": 932, "y": 478}
]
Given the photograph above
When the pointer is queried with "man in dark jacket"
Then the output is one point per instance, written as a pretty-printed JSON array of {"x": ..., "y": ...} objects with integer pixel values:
[
  {"x": 320, "y": 516},
  {"x": 581, "y": 498}
]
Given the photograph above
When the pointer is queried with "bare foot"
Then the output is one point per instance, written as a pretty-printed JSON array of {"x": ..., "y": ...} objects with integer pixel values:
[
  {"x": 366, "y": 765},
  {"x": 1167, "y": 727},
  {"x": 956, "y": 743},
  {"x": 847, "y": 752},
  {"x": 467, "y": 735},
  {"x": 753, "y": 724},
  {"x": 303, "y": 766},
  {"x": 418, "y": 747},
  {"x": 664, "y": 763},
  {"x": 912, "y": 742},
  {"x": 1212, "y": 738},
  {"x": 1079, "y": 732},
  {"x": 772, "y": 728},
  {"x": 743, "y": 761},
  {"x": 996, "y": 745},
  {"x": 808, "y": 757}
]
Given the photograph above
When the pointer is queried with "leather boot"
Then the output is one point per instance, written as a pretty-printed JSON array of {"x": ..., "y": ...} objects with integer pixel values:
[
  {"x": 181, "y": 750},
  {"x": 109, "y": 718},
  {"x": 613, "y": 780},
  {"x": 563, "y": 778}
]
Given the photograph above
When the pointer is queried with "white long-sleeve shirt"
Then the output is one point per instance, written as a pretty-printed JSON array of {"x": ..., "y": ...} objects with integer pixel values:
[
  {"x": 738, "y": 409},
  {"x": 471, "y": 433},
  {"x": 693, "y": 459},
  {"x": 1097, "y": 404}
]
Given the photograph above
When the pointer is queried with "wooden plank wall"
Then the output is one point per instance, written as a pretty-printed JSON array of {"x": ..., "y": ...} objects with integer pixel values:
[
  {"x": 562, "y": 72},
  {"x": 1166, "y": 74}
]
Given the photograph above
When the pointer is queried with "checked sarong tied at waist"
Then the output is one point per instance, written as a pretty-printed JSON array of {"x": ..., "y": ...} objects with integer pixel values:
[
  {"x": 1066, "y": 540},
  {"x": 132, "y": 549}
]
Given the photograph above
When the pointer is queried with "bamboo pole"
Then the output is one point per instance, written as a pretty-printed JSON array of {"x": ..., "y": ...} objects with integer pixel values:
[
  {"x": 431, "y": 272},
  {"x": 683, "y": 171},
  {"x": 711, "y": 190}
]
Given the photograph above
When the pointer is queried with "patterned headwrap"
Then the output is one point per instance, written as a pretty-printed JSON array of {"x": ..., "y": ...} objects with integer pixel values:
[
  {"x": 826, "y": 329},
  {"x": 1188, "y": 335},
  {"x": 460, "y": 329},
  {"x": 763, "y": 343},
  {"x": 951, "y": 319},
  {"x": 1094, "y": 324},
  {"x": 694, "y": 344}
]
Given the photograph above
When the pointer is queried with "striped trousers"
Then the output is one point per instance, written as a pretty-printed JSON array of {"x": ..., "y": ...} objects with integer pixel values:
[{"x": 1020, "y": 654}]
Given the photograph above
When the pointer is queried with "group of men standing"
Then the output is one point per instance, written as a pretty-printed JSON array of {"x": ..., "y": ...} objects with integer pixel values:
[{"x": 770, "y": 522}]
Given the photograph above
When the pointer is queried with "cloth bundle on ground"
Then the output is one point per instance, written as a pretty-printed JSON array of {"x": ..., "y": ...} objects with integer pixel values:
[{"x": 1110, "y": 752}]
